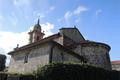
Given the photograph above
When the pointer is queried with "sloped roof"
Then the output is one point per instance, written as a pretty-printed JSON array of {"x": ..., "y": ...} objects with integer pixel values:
[
  {"x": 94, "y": 42},
  {"x": 47, "y": 40},
  {"x": 116, "y": 62},
  {"x": 86, "y": 42},
  {"x": 75, "y": 29},
  {"x": 37, "y": 26},
  {"x": 44, "y": 40},
  {"x": 70, "y": 51}
]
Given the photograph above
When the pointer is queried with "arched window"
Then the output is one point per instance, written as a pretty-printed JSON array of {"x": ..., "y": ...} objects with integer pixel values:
[
  {"x": 26, "y": 58},
  {"x": 37, "y": 38}
]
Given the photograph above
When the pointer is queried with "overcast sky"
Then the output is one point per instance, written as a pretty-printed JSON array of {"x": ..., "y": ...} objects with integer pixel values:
[{"x": 97, "y": 20}]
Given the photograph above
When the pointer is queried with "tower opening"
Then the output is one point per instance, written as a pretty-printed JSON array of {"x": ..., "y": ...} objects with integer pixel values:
[{"x": 36, "y": 34}]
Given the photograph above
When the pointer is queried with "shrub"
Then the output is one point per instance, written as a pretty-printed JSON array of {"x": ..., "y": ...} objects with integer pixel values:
[
  {"x": 70, "y": 71},
  {"x": 2, "y": 62}
]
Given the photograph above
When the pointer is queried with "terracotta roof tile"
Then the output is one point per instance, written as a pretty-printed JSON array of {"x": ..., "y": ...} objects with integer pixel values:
[{"x": 116, "y": 62}]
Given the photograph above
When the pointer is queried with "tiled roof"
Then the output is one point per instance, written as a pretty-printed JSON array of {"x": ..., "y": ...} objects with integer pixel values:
[
  {"x": 89, "y": 42},
  {"x": 49, "y": 38},
  {"x": 93, "y": 42},
  {"x": 116, "y": 62}
]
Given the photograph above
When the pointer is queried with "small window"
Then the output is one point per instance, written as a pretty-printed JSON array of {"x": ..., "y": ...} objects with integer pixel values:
[
  {"x": 37, "y": 38},
  {"x": 26, "y": 58},
  {"x": 62, "y": 57}
]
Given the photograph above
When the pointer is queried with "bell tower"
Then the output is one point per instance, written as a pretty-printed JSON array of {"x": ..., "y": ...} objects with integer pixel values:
[{"x": 36, "y": 34}]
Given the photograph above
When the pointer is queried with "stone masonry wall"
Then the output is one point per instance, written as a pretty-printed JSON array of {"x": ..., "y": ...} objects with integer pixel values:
[
  {"x": 78, "y": 49},
  {"x": 97, "y": 55},
  {"x": 37, "y": 56},
  {"x": 72, "y": 33},
  {"x": 59, "y": 40},
  {"x": 116, "y": 67},
  {"x": 60, "y": 55}
]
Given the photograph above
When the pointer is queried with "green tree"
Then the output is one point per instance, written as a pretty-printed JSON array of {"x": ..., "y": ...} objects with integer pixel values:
[{"x": 2, "y": 60}]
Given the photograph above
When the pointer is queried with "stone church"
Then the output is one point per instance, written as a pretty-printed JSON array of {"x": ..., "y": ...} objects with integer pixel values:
[{"x": 68, "y": 45}]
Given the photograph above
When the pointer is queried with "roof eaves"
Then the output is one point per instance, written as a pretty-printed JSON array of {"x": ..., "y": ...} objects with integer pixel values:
[
  {"x": 47, "y": 39},
  {"x": 69, "y": 51},
  {"x": 93, "y": 42}
]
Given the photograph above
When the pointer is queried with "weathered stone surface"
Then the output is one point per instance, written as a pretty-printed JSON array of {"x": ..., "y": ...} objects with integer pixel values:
[
  {"x": 70, "y": 40},
  {"x": 97, "y": 55},
  {"x": 60, "y": 55},
  {"x": 116, "y": 67},
  {"x": 78, "y": 50},
  {"x": 59, "y": 40},
  {"x": 38, "y": 56},
  {"x": 72, "y": 33}
]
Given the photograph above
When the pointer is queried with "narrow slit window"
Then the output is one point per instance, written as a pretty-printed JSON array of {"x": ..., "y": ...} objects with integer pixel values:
[
  {"x": 26, "y": 58},
  {"x": 62, "y": 57}
]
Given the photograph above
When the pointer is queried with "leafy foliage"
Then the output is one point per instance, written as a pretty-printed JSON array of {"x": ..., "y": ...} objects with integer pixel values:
[
  {"x": 70, "y": 71},
  {"x": 2, "y": 62}
]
